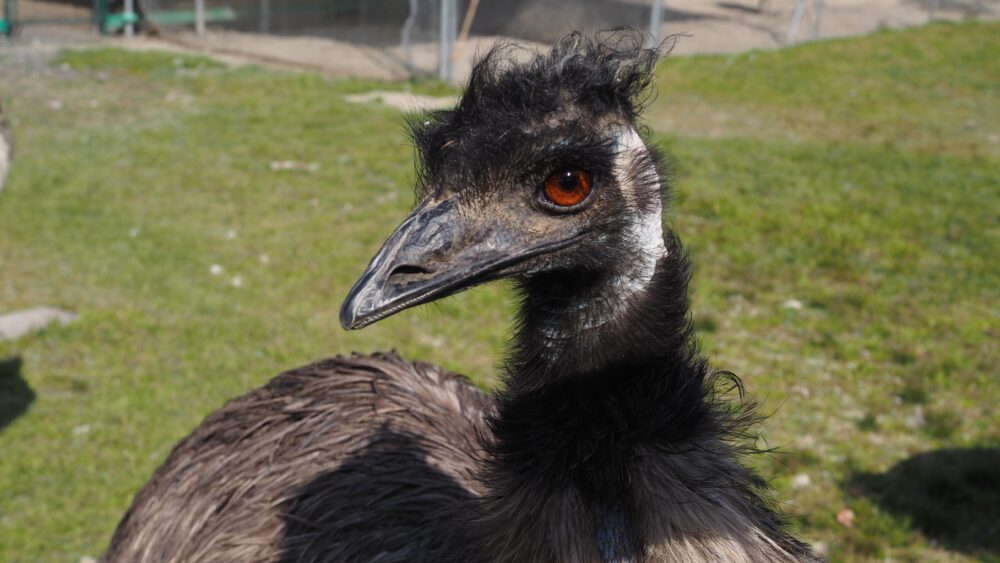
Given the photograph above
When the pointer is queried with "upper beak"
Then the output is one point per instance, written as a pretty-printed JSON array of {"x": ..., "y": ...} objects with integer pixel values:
[{"x": 435, "y": 252}]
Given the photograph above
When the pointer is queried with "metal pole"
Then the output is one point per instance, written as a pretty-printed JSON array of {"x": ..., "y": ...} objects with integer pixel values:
[
  {"x": 452, "y": 36},
  {"x": 405, "y": 35},
  {"x": 129, "y": 11},
  {"x": 443, "y": 40},
  {"x": 199, "y": 17},
  {"x": 265, "y": 16},
  {"x": 445, "y": 35},
  {"x": 932, "y": 6},
  {"x": 793, "y": 29},
  {"x": 655, "y": 21},
  {"x": 817, "y": 17}
]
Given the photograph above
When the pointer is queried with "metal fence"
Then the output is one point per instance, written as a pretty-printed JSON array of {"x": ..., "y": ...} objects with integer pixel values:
[
  {"x": 17, "y": 14},
  {"x": 419, "y": 37},
  {"x": 420, "y": 34}
]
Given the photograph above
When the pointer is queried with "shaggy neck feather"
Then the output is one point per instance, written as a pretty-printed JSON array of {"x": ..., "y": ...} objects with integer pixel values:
[
  {"x": 608, "y": 443},
  {"x": 618, "y": 449}
]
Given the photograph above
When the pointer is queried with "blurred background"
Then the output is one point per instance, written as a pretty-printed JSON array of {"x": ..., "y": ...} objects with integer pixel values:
[
  {"x": 400, "y": 39},
  {"x": 188, "y": 188}
]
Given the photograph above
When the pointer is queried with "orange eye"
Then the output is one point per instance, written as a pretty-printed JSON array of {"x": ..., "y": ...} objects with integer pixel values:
[{"x": 567, "y": 188}]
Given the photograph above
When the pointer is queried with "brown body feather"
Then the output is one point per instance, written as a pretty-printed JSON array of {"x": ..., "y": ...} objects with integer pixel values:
[{"x": 368, "y": 458}]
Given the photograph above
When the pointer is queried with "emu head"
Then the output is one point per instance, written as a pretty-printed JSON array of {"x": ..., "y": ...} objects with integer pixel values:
[{"x": 539, "y": 171}]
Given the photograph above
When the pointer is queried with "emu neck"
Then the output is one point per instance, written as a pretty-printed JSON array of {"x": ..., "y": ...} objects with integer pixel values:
[
  {"x": 593, "y": 324},
  {"x": 630, "y": 310},
  {"x": 599, "y": 377},
  {"x": 607, "y": 442}
]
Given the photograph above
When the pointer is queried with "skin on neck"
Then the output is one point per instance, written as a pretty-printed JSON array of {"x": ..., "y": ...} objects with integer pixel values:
[{"x": 566, "y": 317}]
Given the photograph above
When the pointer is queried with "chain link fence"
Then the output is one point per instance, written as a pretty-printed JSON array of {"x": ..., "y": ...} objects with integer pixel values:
[
  {"x": 394, "y": 39},
  {"x": 414, "y": 37}
]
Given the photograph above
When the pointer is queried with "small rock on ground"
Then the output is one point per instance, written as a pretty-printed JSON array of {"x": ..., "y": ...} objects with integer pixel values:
[{"x": 17, "y": 324}]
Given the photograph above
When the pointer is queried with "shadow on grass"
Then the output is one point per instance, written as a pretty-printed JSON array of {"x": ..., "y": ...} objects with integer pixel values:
[
  {"x": 387, "y": 503},
  {"x": 739, "y": 7},
  {"x": 952, "y": 496},
  {"x": 15, "y": 395}
]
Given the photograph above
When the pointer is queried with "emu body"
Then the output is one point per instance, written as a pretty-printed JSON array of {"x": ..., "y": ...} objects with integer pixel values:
[
  {"x": 367, "y": 458},
  {"x": 610, "y": 438}
]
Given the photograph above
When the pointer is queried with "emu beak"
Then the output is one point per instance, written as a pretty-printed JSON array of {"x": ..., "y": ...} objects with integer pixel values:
[{"x": 437, "y": 251}]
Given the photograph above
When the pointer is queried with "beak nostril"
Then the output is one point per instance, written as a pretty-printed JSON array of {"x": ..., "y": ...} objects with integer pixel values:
[{"x": 409, "y": 270}]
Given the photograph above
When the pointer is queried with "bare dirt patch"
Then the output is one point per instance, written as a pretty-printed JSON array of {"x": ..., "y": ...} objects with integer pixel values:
[{"x": 403, "y": 101}]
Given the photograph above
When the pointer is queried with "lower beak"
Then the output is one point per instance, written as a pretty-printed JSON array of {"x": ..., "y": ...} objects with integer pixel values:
[{"x": 434, "y": 253}]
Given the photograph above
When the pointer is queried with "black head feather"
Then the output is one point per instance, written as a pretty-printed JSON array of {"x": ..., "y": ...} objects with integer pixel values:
[
  {"x": 610, "y": 72},
  {"x": 577, "y": 90}
]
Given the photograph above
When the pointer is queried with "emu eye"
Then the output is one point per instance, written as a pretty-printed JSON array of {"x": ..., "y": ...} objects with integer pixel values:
[{"x": 567, "y": 188}]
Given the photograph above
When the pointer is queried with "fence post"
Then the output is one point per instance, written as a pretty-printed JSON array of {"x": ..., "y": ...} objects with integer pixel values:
[
  {"x": 655, "y": 21},
  {"x": 265, "y": 16},
  {"x": 793, "y": 29},
  {"x": 452, "y": 36},
  {"x": 128, "y": 13},
  {"x": 817, "y": 17},
  {"x": 199, "y": 17},
  {"x": 446, "y": 36},
  {"x": 405, "y": 34}
]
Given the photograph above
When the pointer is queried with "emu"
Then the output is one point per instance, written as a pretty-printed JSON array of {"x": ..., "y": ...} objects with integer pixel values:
[{"x": 610, "y": 439}]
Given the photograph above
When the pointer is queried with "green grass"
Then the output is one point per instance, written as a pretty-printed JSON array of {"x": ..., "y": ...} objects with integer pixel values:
[{"x": 856, "y": 178}]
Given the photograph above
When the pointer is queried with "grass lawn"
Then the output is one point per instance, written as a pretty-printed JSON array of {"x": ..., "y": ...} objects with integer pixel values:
[{"x": 841, "y": 201}]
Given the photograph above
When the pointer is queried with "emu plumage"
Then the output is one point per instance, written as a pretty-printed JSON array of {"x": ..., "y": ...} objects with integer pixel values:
[
  {"x": 321, "y": 464},
  {"x": 610, "y": 439}
]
